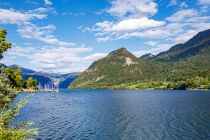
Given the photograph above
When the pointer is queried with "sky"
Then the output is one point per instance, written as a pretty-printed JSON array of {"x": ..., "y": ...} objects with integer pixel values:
[{"x": 68, "y": 35}]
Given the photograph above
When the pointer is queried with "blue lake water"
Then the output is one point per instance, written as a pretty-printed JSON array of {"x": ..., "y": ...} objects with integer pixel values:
[{"x": 119, "y": 114}]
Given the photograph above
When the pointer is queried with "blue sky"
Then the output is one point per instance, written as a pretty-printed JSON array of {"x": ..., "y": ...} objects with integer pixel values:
[{"x": 68, "y": 35}]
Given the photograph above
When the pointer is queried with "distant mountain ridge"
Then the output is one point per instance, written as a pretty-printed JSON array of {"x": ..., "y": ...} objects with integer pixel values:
[
  {"x": 183, "y": 65},
  {"x": 46, "y": 78},
  {"x": 147, "y": 56}
]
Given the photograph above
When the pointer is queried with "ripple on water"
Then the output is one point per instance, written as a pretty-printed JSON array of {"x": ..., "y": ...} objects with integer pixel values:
[{"x": 104, "y": 114}]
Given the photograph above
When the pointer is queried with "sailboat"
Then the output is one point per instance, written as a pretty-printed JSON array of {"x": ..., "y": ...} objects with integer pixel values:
[{"x": 48, "y": 88}]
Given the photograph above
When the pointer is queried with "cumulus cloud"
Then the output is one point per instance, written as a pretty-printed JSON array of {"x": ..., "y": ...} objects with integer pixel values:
[
  {"x": 132, "y": 24},
  {"x": 134, "y": 19},
  {"x": 185, "y": 22},
  {"x": 135, "y": 8},
  {"x": 131, "y": 17},
  {"x": 18, "y": 51}
]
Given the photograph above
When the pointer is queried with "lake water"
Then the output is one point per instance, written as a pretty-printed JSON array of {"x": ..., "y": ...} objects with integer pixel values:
[{"x": 119, "y": 114}]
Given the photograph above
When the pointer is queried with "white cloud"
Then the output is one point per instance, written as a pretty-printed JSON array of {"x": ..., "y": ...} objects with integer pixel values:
[
  {"x": 132, "y": 20},
  {"x": 151, "y": 43},
  {"x": 131, "y": 15},
  {"x": 183, "y": 15},
  {"x": 124, "y": 28},
  {"x": 134, "y": 8},
  {"x": 31, "y": 31},
  {"x": 17, "y": 51},
  {"x": 16, "y": 17},
  {"x": 47, "y": 2},
  {"x": 136, "y": 24},
  {"x": 95, "y": 56}
]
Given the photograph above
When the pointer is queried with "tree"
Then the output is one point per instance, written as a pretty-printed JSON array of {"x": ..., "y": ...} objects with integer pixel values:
[
  {"x": 7, "y": 95},
  {"x": 15, "y": 77},
  {"x": 4, "y": 46},
  {"x": 31, "y": 83}
]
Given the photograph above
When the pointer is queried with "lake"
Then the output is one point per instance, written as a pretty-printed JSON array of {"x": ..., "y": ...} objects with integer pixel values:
[{"x": 119, "y": 114}]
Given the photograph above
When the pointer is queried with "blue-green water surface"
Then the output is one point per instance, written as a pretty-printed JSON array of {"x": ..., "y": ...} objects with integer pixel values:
[{"x": 119, "y": 114}]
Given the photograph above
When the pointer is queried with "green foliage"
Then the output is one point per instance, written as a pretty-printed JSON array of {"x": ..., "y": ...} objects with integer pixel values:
[
  {"x": 31, "y": 83},
  {"x": 18, "y": 132},
  {"x": 6, "y": 93},
  {"x": 4, "y": 46},
  {"x": 15, "y": 77}
]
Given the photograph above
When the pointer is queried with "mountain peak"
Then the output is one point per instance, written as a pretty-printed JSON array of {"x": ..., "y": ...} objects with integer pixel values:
[{"x": 120, "y": 50}]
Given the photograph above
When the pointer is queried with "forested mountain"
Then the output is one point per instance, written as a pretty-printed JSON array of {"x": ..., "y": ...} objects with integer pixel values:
[
  {"x": 187, "y": 60},
  {"x": 198, "y": 45},
  {"x": 183, "y": 66},
  {"x": 118, "y": 67}
]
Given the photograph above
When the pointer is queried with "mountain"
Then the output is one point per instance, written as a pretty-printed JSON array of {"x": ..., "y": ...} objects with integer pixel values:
[
  {"x": 147, "y": 56},
  {"x": 118, "y": 67},
  {"x": 187, "y": 60},
  {"x": 183, "y": 66},
  {"x": 43, "y": 78},
  {"x": 196, "y": 46},
  {"x": 23, "y": 70}
]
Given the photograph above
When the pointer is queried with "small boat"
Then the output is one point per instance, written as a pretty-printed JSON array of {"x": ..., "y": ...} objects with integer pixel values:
[{"x": 48, "y": 88}]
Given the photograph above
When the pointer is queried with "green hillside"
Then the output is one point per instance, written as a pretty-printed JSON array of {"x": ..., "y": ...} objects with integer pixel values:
[
  {"x": 183, "y": 66},
  {"x": 118, "y": 67},
  {"x": 187, "y": 60}
]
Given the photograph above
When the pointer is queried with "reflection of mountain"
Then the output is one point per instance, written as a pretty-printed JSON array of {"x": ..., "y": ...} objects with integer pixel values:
[{"x": 63, "y": 80}]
